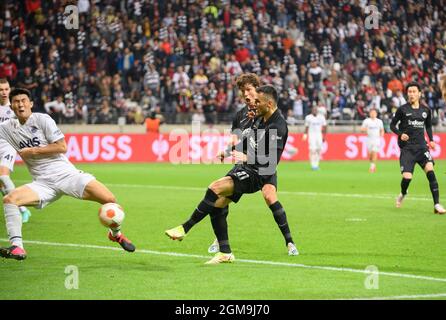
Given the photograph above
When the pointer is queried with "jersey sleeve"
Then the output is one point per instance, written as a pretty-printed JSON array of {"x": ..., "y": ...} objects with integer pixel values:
[
  {"x": 307, "y": 121},
  {"x": 428, "y": 124},
  {"x": 50, "y": 129},
  {"x": 235, "y": 123},
  {"x": 364, "y": 124},
  {"x": 397, "y": 118}
]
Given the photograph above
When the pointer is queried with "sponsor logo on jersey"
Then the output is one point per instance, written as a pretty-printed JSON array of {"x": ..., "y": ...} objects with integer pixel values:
[
  {"x": 34, "y": 142},
  {"x": 416, "y": 123}
]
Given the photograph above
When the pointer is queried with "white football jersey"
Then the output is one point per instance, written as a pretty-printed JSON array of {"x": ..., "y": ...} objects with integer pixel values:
[
  {"x": 38, "y": 131},
  {"x": 6, "y": 113},
  {"x": 373, "y": 127},
  {"x": 315, "y": 124}
]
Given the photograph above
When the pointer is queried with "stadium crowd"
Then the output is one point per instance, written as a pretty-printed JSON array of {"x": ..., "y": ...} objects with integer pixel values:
[{"x": 178, "y": 59}]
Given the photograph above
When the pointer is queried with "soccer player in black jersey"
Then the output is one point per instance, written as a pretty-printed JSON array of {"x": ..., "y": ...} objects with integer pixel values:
[
  {"x": 241, "y": 126},
  {"x": 258, "y": 160},
  {"x": 412, "y": 119}
]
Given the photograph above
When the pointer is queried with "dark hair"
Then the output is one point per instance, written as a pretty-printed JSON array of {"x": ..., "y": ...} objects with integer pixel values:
[
  {"x": 248, "y": 78},
  {"x": 3, "y": 80},
  {"x": 270, "y": 91},
  {"x": 16, "y": 91},
  {"x": 413, "y": 84}
]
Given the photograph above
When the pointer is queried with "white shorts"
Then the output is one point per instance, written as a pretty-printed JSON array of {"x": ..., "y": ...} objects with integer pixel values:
[
  {"x": 315, "y": 144},
  {"x": 7, "y": 156},
  {"x": 373, "y": 145},
  {"x": 50, "y": 189}
]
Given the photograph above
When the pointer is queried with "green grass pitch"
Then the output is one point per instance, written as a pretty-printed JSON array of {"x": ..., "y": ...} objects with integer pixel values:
[{"x": 343, "y": 220}]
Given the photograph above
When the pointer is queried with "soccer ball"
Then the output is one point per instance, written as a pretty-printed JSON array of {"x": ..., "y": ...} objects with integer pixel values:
[{"x": 111, "y": 215}]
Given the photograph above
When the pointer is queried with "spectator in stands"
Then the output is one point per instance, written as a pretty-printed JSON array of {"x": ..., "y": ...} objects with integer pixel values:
[{"x": 305, "y": 47}]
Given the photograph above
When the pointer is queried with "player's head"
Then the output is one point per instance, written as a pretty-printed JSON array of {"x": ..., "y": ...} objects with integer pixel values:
[
  {"x": 413, "y": 91},
  {"x": 247, "y": 83},
  {"x": 266, "y": 99},
  {"x": 5, "y": 89},
  {"x": 314, "y": 111},
  {"x": 21, "y": 103},
  {"x": 373, "y": 113}
]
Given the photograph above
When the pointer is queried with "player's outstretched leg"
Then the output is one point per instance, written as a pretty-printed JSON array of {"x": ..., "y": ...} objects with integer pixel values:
[
  {"x": 7, "y": 187},
  {"x": 179, "y": 232},
  {"x": 200, "y": 212},
  {"x": 96, "y": 191}
]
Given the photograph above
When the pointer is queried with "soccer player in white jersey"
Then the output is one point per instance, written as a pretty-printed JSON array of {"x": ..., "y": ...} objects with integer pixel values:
[
  {"x": 7, "y": 152},
  {"x": 315, "y": 129},
  {"x": 374, "y": 128},
  {"x": 42, "y": 147}
]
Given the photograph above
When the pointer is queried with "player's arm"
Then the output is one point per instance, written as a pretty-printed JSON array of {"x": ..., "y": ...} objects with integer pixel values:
[
  {"x": 235, "y": 130},
  {"x": 324, "y": 129},
  {"x": 305, "y": 136},
  {"x": 54, "y": 148},
  {"x": 428, "y": 125},
  {"x": 363, "y": 127},
  {"x": 393, "y": 125}
]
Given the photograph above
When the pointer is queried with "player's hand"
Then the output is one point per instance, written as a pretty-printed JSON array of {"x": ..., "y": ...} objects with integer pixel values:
[
  {"x": 239, "y": 156},
  {"x": 304, "y": 137},
  {"x": 221, "y": 156},
  {"x": 404, "y": 137},
  {"x": 251, "y": 113},
  {"x": 433, "y": 145},
  {"x": 27, "y": 153}
]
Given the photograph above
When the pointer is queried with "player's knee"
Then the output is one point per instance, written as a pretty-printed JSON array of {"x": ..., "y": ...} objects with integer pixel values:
[
  {"x": 270, "y": 196},
  {"x": 10, "y": 199},
  {"x": 407, "y": 175},
  {"x": 215, "y": 187}
]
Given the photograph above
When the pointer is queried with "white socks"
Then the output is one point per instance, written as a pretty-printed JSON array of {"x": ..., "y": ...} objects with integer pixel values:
[
  {"x": 314, "y": 159},
  {"x": 13, "y": 224}
]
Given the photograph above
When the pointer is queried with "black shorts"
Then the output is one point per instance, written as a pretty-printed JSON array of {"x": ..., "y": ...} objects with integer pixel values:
[
  {"x": 410, "y": 157},
  {"x": 248, "y": 181}
]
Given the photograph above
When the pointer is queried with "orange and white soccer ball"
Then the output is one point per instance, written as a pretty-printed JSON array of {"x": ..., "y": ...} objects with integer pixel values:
[{"x": 111, "y": 215}]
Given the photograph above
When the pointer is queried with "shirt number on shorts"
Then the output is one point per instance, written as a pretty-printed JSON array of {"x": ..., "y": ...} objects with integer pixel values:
[
  {"x": 242, "y": 175},
  {"x": 428, "y": 155},
  {"x": 9, "y": 157}
]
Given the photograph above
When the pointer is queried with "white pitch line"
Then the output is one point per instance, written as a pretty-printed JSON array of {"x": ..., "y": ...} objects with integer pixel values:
[
  {"x": 419, "y": 296},
  {"x": 262, "y": 262},
  {"x": 295, "y": 193}
]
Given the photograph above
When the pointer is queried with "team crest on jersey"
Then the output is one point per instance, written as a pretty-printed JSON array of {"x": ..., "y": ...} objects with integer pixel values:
[
  {"x": 34, "y": 129},
  {"x": 424, "y": 115},
  {"x": 8, "y": 112}
]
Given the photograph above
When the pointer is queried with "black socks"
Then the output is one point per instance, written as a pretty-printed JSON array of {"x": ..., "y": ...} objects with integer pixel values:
[
  {"x": 404, "y": 185},
  {"x": 433, "y": 184},
  {"x": 281, "y": 220}
]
